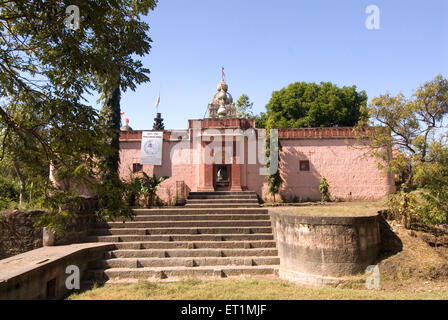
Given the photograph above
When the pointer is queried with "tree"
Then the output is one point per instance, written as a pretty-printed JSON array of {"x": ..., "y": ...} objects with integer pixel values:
[
  {"x": 274, "y": 180},
  {"x": 244, "y": 107},
  {"x": 304, "y": 104},
  {"x": 411, "y": 143},
  {"x": 49, "y": 69},
  {"x": 261, "y": 119}
]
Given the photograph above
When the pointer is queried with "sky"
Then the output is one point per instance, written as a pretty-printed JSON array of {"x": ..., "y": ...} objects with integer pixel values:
[{"x": 266, "y": 45}]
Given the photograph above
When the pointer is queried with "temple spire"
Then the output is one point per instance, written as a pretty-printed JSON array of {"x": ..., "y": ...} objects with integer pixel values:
[{"x": 222, "y": 105}]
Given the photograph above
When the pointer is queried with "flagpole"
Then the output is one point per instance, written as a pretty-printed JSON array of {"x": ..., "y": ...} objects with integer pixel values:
[{"x": 157, "y": 103}]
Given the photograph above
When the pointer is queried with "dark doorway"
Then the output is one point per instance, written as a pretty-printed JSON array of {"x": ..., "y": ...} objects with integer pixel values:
[{"x": 222, "y": 176}]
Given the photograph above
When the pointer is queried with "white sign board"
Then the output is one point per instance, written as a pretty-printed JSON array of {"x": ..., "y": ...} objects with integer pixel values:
[{"x": 151, "y": 150}]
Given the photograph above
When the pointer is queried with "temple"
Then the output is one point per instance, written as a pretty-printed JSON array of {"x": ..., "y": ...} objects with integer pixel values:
[{"x": 222, "y": 152}]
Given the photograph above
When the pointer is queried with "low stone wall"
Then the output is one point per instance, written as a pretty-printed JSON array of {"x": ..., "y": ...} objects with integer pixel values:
[
  {"x": 41, "y": 273},
  {"x": 322, "y": 250},
  {"x": 82, "y": 219},
  {"x": 19, "y": 234}
]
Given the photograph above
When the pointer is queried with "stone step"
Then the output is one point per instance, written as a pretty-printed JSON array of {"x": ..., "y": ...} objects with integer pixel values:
[
  {"x": 221, "y": 201},
  {"x": 184, "y": 253},
  {"x": 197, "y": 217},
  {"x": 102, "y": 275},
  {"x": 197, "y": 211},
  {"x": 213, "y": 196},
  {"x": 222, "y": 205},
  {"x": 180, "y": 231},
  {"x": 195, "y": 245},
  {"x": 179, "y": 224},
  {"x": 182, "y": 237},
  {"x": 222, "y": 193},
  {"x": 183, "y": 262}
]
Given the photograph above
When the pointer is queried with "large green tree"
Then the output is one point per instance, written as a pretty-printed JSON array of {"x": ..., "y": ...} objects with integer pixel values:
[
  {"x": 304, "y": 104},
  {"x": 49, "y": 70},
  {"x": 411, "y": 141}
]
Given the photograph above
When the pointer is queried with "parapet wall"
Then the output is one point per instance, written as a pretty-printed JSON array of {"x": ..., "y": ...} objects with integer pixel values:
[
  {"x": 19, "y": 233},
  {"x": 41, "y": 273},
  {"x": 322, "y": 250}
]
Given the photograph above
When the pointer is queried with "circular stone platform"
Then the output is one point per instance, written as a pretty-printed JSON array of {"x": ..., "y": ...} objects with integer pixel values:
[{"x": 321, "y": 249}]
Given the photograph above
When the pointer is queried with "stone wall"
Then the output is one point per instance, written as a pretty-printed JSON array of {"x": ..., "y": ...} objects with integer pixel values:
[
  {"x": 19, "y": 234},
  {"x": 82, "y": 219},
  {"x": 322, "y": 250}
]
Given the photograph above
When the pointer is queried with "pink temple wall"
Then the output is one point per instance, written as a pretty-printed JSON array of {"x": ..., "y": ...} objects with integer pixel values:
[
  {"x": 350, "y": 172},
  {"x": 343, "y": 161}
]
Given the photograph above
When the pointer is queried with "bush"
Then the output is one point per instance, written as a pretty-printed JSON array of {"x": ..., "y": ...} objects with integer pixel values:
[
  {"x": 323, "y": 189},
  {"x": 132, "y": 191},
  {"x": 150, "y": 184},
  {"x": 9, "y": 192},
  {"x": 415, "y": 206}
]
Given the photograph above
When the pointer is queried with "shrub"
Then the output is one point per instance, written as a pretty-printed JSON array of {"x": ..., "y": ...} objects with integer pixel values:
[
  {"x": 9, "y": 192},
  {"x": 149, "y": 189},
  {"x": 323, "y": 189}
]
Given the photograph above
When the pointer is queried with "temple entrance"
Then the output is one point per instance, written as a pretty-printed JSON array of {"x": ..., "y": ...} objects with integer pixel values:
[{"x": 222, "y": 176}]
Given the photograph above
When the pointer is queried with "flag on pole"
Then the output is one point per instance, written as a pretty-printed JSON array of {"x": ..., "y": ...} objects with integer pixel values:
[
  {"x": 223, "y": 74},
  {"x": 158, "y": 101}
]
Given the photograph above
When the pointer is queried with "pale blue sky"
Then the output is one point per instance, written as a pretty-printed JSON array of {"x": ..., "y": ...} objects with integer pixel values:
[{"x": 265, "y": 45}]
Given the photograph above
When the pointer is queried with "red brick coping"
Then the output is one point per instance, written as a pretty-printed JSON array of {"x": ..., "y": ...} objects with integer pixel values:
[{"x": 298, "y": 133}]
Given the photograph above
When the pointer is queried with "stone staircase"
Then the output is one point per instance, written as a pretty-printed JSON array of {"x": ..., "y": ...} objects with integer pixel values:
[
  {"x": 207, "y": 242},
  {"x": 223, "y": 199}
]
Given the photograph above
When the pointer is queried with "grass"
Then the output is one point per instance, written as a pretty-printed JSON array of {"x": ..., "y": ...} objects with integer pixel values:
[
  {"x": 248, "y": 289},
  {"x": 355, "y": 208}
]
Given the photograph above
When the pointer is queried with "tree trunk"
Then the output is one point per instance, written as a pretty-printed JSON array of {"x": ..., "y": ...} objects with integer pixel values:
[
  {"x": 112, "y": 121},
  {"x": 22, "y": 181},
  {"x": 404, "y": 218}
]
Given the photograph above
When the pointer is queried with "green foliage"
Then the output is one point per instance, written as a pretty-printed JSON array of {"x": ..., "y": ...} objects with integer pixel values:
[
  {"x": 275, "y": 182},
  {"x": 324, "y": 189},
  {"x": 150, "y": 184},
  {"x": 401, "y": 204},
  {"x": 47, "y": 70},
  {"x": 261, "y": 119},
  {"x": 112, "y": 199},
  {"x": 58, "y": 214},
  {"x": 133, "y": 189},
  {"x": 9, "y": 190},
  {"x": 244, "y": 107},
  {"x": 412, "y": 145},
  {"x": 432, "y": 177},
  {"x": 304, "y": 104}
]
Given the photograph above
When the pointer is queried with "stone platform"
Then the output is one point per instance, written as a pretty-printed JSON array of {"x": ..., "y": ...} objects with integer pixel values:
[{"x": 40, "y": 273}]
